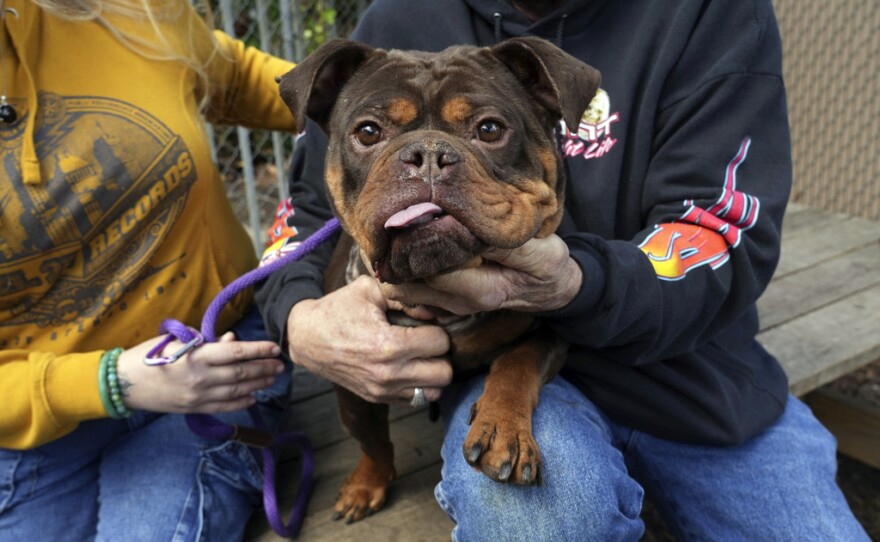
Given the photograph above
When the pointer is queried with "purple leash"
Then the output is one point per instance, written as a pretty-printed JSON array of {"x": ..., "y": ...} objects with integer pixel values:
[{"x": 209, "y": 427}]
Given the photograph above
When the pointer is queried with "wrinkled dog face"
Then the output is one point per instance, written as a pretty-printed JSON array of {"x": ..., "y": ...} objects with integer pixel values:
[{"x": 434, "y": 158}]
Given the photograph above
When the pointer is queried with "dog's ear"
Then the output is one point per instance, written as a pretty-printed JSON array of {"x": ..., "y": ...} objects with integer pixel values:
[
  {"x": 562, "y": 84},
  {"x": 311, "y": 88}
]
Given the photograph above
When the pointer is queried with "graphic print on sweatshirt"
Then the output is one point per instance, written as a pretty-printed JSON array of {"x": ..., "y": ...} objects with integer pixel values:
[
  {"x": 704, "y": 236},
  {"x": 114, "y": 181},
  {"x": 593, "y": 137},
  {"x": 281, "y": 234}
]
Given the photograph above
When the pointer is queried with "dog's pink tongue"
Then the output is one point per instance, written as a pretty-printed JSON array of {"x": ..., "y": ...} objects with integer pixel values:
[{"x": 412, "y": 215}]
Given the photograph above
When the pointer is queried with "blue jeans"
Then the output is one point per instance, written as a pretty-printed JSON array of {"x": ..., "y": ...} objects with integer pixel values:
[
  {"x": 147, "y": 478},
  {"x": 780, "y": 485}
]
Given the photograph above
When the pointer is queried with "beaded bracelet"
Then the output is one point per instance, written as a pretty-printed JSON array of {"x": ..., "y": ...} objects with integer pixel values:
[{"x": 108, "y": 385}]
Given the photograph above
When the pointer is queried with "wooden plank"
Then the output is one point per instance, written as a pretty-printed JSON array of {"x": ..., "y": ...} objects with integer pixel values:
[
  {"x": 855, "y": 423},
  {"x": 796, "y": 294},
  {"x": 828, "y": 342},
  {"x": 814, "y": 245},
  {"x": 799, "y": 218},
  {"x": 318, "y": 417},
  {"x": 417, "y": 445},
  {"x": 305, "y": 385},
  {"x": 411, "y": 514}
]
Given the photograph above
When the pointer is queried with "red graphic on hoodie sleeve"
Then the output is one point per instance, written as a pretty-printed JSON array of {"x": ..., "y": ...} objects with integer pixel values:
[
  {"x": 281, "y": 229},
  {"x": 281, "y": 234},
  {"x": 704, "y": 236},
  {"x": 676, "y": 248}
]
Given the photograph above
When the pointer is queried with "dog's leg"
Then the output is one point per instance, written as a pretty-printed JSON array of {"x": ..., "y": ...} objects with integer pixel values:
[
  {"x": 500, "y": 442},
  {"x": 365, "y": 488}
]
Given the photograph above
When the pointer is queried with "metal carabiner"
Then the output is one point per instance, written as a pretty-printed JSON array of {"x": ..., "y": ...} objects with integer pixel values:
[{"x": 154, "y": 359}]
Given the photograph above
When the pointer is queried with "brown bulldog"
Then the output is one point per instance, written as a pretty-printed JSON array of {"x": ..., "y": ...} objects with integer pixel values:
[{"x": 433, "y": 159}]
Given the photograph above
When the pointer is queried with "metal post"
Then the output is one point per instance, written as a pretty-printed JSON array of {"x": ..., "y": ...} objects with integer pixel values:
[
  {"x": 244, "y": 147},
  {"x": 277, "y": 138}
]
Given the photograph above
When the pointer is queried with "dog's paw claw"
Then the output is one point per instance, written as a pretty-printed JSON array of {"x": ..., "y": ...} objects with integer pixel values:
[
  {"x": 502, "y": 449},
  {"x": 473, "y": 414},
  {"x": 474, "y": 453},
  {"x": 363, "y": 493}
]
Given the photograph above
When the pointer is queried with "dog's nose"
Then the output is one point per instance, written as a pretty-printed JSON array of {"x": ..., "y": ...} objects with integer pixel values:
[{"x": 422, "y": 155}]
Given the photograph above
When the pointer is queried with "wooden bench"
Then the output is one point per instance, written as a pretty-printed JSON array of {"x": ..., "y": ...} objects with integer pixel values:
[{"x": 820, "y": 317}]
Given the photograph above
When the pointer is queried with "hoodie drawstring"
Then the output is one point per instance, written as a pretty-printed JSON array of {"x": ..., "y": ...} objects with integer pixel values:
[{"x": 559, "y": 29}]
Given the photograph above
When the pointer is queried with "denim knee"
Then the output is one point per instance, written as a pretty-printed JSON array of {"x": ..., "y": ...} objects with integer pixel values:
[
  {"x": 50, "y": 492},
  {"x": 586, "y": 492},
  {"x": 778, "y": 485},
  {"x": 9, "y": 465},
  {"x": 183, "y": 488}
]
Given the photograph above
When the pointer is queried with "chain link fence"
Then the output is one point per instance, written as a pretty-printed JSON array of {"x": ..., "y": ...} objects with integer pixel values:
[
  {"x": 832, "y": 77},
  {"x": 254, "y": 163}
]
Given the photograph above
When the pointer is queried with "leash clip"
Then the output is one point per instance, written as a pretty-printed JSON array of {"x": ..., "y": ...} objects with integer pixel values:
[{"x": 154, "y": 359}]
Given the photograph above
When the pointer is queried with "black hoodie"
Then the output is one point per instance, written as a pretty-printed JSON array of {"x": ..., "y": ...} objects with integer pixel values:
[{"x": 677, "y": 183}]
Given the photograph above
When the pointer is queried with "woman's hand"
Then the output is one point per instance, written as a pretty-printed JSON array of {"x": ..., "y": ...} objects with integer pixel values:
[
  {"x": 538, "y": 276},
  {"x": 215, "y": 377},
  {"x": 346, "y": 338}
]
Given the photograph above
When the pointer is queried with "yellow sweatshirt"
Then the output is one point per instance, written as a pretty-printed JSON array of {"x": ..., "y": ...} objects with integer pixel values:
[{"x": 112, "y": 214}]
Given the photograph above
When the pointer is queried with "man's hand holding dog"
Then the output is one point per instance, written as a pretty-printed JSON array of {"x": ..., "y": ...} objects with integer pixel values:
[
  {"x": 346, "y": 338},
  {"x": 538, "y": 276}
]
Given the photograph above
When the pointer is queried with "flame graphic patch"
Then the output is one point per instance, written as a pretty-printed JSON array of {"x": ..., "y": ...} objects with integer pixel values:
[{"x": 704, "y": 236}]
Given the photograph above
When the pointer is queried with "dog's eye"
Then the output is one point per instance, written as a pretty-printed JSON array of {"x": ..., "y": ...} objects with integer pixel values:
[
  {"x": 490, "y": 131},
  {"x": 368, "y": 133}
]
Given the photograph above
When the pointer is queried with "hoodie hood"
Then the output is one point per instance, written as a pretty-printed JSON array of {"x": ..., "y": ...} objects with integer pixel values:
[
  {"x": 18, "y": 22},
  {"x": 505, "y": 21}
]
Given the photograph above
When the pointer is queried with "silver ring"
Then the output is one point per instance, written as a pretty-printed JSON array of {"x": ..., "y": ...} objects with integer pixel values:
[{"x": 418, "y": 399}]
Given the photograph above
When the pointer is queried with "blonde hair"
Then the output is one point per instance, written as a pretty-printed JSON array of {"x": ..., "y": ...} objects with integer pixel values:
[{"x": 157, "y": 44}]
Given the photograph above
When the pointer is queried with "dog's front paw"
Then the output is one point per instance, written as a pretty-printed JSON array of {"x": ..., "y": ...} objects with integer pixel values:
[
  {"x": 364, "y": 491},
  {"x": 501, "y": 445}
]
